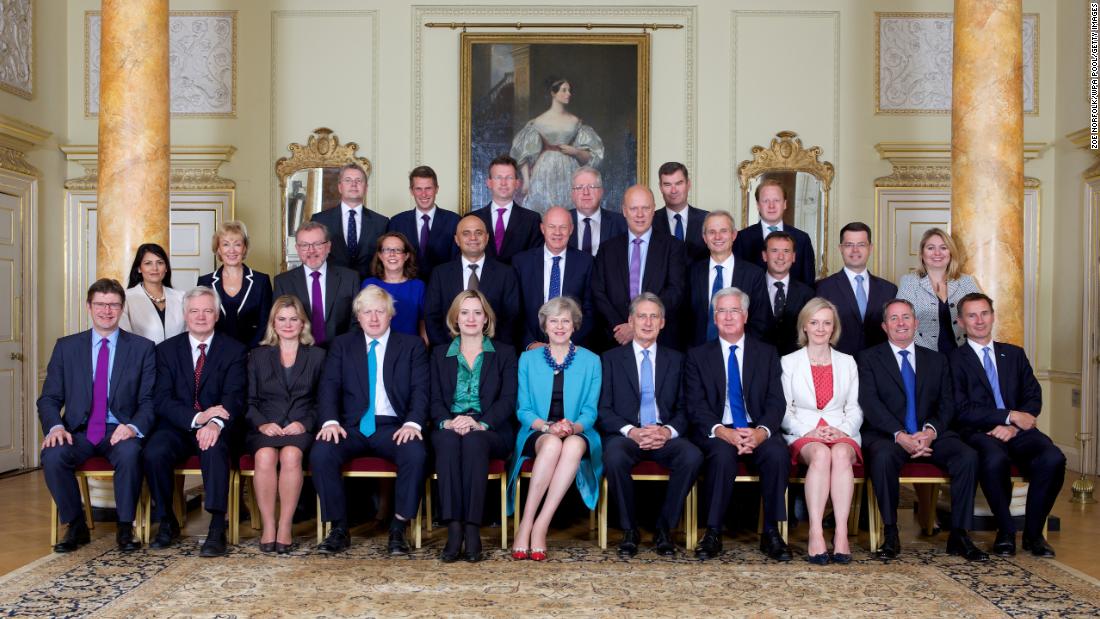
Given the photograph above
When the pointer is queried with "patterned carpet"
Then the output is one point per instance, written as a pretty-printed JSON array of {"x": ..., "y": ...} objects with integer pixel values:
[{"x": 578, "y": 581}]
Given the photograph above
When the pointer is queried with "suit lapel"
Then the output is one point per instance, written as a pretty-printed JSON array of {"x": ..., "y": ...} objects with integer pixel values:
[
  {"x": 295, "y": 370},
  {"x": 632, "y": 370},
  {"x": 248, "y": 274},
  {"x": 359, "y": 349},
  {"x": 652, "y": 264},
  {"x": 302, "y": 291},
  {"x": 488, "y": 358},
  {"x": 921, "y": 381},
  {"x": 978, "y": 365},
  {"x": 185, "y": 360},
  {"x": 122, "y": 354},
  {"x": 215, "y": 280},
  {"x": 850, "y": 304},
  {"x": 86, "y": 362},
  {"x": 332, "y": 284},
  {"x": 213, "y": 353},
  {"x": 388, "y": 364},
  {"x": 719, "y": 365},
  {"x": 890, "y": 363}
]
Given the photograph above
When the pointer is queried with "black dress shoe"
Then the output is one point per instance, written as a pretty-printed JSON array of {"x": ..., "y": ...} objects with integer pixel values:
[
  {"x": 960, "y": 544},
  {"x": 1039, "y": 547},
  {"x": 167, "y": 534},
  {"x": 472, "y": 536},
  {"x": 75, "y": 536},
  {"x": 397, "y": 545},
  {"x": 890, "y": 548},
  {"x": 841, "y": 558},
  {"x": 821, "y": 559},
  {"x": 214, "y": 546},
  {"x": 267, "y": 547},
  {"x": 662, "y": 543},
  {"x": 125, "y": 538},
  {"x": 453, "y": 546},
  {"x": 710, "y": 546},
  {"x": 628, "y": 547},
  {"x": 284, "y": 549},
  {"x": 338, "y": 540},
  {"x": 772, "y": 544},
  {"x": 1005, "y": 544}
]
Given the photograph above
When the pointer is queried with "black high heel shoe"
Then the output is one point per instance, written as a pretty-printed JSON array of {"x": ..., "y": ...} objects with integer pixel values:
[{"x": 473, "y": 544}]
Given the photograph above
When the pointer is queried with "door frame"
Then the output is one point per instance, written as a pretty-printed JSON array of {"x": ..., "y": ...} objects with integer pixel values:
[{"x": 1090, "y": 328}]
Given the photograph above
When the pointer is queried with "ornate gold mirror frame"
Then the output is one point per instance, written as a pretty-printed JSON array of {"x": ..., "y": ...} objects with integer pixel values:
[
  {"x": 307, "y": 182},
  {"x": 786, "y": 154}
]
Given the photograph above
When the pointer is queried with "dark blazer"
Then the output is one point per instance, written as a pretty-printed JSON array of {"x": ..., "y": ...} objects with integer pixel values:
[
  {"x": 857, "y": 333},
  {"x": 612, "y": 224},
  {"x": 223, "y": 380},
  {"x": 69, "y": 385},
  {"x": 705, "y": 386},
  {"x": 975, "y": 407},
  {"x": 274, "y": 399},
  {"x": 620, "y": 395},
  {"x": 782, "y": 332},
  {"x": 693, "y": 233},
  {"x": 523, "y": 232},
  {"x": 665, "y": 275},
  {"x": 747, "y": 277},
  {"x": 341, "y": 286},
  {"x": 497, "y": 283},
  {"x": 574, "y": 283},
  {"x": 749, "y": 245},
  {"x": 496, "y": 386},
  {"x": 255, "y": 306},
  {"x": 882, "y": 394},
  {"x": 371, "y": 227},
  {"x": 441, "y": 238},
  {"x": 344, "y": 394}
]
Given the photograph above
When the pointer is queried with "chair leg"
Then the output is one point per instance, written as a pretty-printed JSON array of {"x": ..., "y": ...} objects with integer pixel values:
[
  {"x": 515, "y": 506},
  {"x": 417, "y": 524},
  {"x": 853, "y": 513},
  {"x": 320, "y": 522},
  {"x": 253, "y": 506},
  {"x": 874, "y": 518},
  {"x": 926, "y": 506},
  {"x": 592, "y": 528},
  {"x": 691, "y": 518},
  {"x": 53, "y": 523},
  {"x": 602, "y": 507},
  {"x": 503, "y": 512},
  {"x": 428, "y": 502},
  {"x": 178, "y": 503},
  {"x": 86, "y": 499},
  {"x": 784, "y": 524},
  {"x": 234, "y": 507},
  {"x": 146, "y": 514}
]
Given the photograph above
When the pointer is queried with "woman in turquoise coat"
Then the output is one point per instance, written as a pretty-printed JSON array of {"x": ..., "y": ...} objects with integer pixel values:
[{"x": 559, "y": 390}]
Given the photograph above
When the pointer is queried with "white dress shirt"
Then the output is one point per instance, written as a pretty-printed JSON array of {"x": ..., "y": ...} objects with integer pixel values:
[
  {"x": 786, "y": 281},
  {"x": 727, "y": 414},
  {"x": 727, "y": 273},
  {"x": 344, "y": 209},
  {"x": 644, "y": 247},
  {"x": 382, "y": 405},
  {"x": 912, "y": 348},
  {"x": 466, "y": 271},
  {"x": 496, "y": 214},
  {"x": 978, "y": 348},
  {"x": 323, "y": 270},
  {"x": 194, "y": 362},
  {"x": 866, "y": 281},
  {"x": 595, "y": 218},
  {"x": 547, "y": 264},
  {"x": 625, "y": 430},
  {"x": 672, "y": 220},
  {"x": 764, "y": 227}
]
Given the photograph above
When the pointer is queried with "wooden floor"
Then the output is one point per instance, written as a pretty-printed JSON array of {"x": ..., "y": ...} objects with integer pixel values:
[{"x": 25, "y": 533}]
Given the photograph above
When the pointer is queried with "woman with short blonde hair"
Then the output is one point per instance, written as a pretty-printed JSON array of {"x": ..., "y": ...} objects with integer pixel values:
[{"x": 244, "y": 293}]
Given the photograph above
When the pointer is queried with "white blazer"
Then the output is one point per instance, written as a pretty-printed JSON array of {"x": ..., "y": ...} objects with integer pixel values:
[
  {"x": 802, "y": 415},
  {"x": 140, "y": 315}
]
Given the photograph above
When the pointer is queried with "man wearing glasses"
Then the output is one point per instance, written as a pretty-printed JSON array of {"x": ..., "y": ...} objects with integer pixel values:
[
  {"x": 358, "y": 227},
  {"x": 326, "y": 290},
  {"x": 511, "y": 227},
  {"x": 591, "y": 224}
]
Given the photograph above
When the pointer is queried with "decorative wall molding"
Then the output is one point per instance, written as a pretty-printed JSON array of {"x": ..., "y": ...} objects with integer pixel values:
[
  {"x": 1062, "y": 377},
  {"x": 193, "y": 168},
  {"x": 913, "y": 62},
  {"x": 16, "y": 139},
  {"x": 928, "y": 164},
  {"x": 202, "y": 62},
  {"x": 1081, "y": 139},
  {"x": 17, "y": 47}
]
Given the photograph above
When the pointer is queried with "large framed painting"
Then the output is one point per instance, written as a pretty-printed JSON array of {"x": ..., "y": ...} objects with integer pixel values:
[{"x": 554, "y": 102}]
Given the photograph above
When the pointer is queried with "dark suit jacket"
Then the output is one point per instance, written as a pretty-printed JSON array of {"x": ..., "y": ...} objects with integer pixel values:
[
  {"x": 344, "y": 395},
  {"x": 693, "y": 233},
  {"x": 341, "y": 286},
  {"x": 620, "y": 395},
  {"x": 441, "y": 238},
  {"x": 371, "y": 227},
  {"x": 274, "y": 399},
  {"x": 975, "y": 407},
  {"x": 665, "y": 275},
  {"x": 574, "y": 283},
  {"x": 255, "y": 306},
  {"x": 496, "y": 386},
  {"x": 746, "y": 277},
  {"x": 857, "y": 333},
  {"x": 882, "y": 394},
  {"x": 523, "y": 232},
  {"x": 69, "y": 385},
  {"x": 705, "y": 386},
  {"x": 782, "y": 332},
  {"x": 749, "y": 245},
  {"x": 497, "y": 283},
  {"x": 612, "y": 224},
  {"x": 223, "y": 380}
]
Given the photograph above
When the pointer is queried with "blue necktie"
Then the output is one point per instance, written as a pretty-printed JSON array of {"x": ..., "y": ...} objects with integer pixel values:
[
  {"x": 736, "y": 398},
  {"x": 861, "y": 297},
  {"x": 648, "y": 413},
  {"x": 712, "y": 329},
  {"x": 353, "y": 234},
  {"x": 555, "y": 279},
  {"x": 773, "y": 229},
  {"x": 366, "y": 424},
  {"x": 909, "y": 379},
  {"x": 991, "y": 374},
  {"x": 679, "y": 226}
]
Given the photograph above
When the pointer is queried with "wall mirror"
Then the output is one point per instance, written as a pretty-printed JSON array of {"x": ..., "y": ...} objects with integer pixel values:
[
  {"x": 307, "y": 183},
  {"x": 807, "y": 181}
]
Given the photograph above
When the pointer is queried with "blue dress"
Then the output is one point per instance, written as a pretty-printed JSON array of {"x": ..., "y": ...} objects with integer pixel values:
[{"x": 408, "y": 299}]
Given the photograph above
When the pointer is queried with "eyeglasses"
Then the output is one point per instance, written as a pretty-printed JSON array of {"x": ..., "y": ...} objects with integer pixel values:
[
  {"x": 391, "y": 250},
  {"x": 114, "y": 307},
  {"x": 587, "y": 187},
  {"x": 353, "y": 180},
  {"x": 854, "y": 245},
  {"x": 732, "y": 311},
  {"x": 310, "y": 246}
]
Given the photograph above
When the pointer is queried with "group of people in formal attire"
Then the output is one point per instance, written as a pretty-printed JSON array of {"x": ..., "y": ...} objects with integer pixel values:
[{"x": 572, "y": 345}]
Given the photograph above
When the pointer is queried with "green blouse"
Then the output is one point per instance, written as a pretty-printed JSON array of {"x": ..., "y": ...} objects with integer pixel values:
[{"x": 468, "y": 386}]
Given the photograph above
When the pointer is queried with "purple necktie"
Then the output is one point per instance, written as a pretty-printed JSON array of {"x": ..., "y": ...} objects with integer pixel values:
[
  {"x": 97, "y": 422},
  {"x": 498, "y": 231},
  {"x": 636, "y": 269},
  {"x": 317, "y": 309},
  {"x": 424, "y": 236}
]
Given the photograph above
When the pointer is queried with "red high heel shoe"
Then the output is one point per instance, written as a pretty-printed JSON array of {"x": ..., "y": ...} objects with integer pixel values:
[
  {"x": 519, "y": 554},
  {"x": 538, "y": 554}
]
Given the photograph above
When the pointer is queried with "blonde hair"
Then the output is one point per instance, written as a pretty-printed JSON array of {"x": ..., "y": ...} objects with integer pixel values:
[
  {"x": 954, "y": 266},
  {"x": 812, "y": 307},
  {"x": 456, "y": 306},
  {"x": 282, "y": 302},
  {"x": 373, "y": 293},
  {"x": 229, "y": 227}
]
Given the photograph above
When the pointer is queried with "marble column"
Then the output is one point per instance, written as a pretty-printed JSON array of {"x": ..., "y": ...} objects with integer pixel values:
[
  {"x": 987, "y": 157},
  {"x": 133, "y": 133}
]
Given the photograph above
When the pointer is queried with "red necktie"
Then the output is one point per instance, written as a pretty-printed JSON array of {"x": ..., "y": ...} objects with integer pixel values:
[{"x": 198, "y": 375}]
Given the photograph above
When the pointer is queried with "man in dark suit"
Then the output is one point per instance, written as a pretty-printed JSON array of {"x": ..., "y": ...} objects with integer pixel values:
[
  {"x": 906, "y": 415},
  {"x": 641, "y": 419},
  {"x": 786, "y": 295},
  {"x": 325, "y": 289},
  {"x": 592, "y": 225},
  {"x": 201, "y": 391},
  {"x": 734, "y": 399},
  {"x": 721, "y": 270},
  {"x": 555, "y": 269},
  {"x": 640, "y": 261},
  {"x": 677, "y": 217},
  {"x": 997, "y": 401},
  {"x": 771, "y": 203},
  {"x": 354, "y": 228},
  {"x": 473, "y": 270},
  {"x": 857, "y": 294},
  {"x": 511, "y": 227},
  {"x": 430, "y": 229},
  {"x": 373, "y": 400},
  {"x": 103, "y": 379}
]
